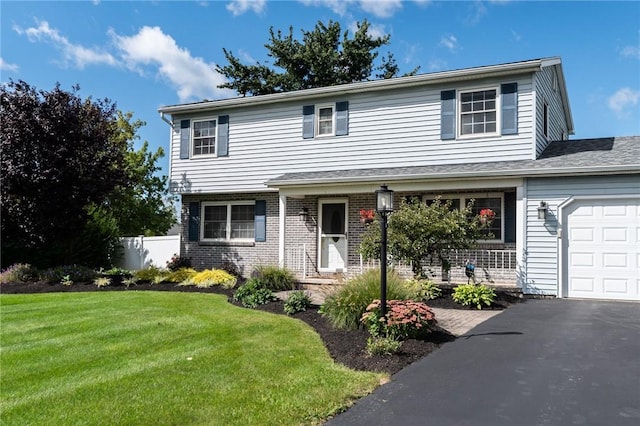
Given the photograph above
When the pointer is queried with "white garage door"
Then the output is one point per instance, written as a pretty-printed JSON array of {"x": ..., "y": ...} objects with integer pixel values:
[{"x": 603, "y": 254}]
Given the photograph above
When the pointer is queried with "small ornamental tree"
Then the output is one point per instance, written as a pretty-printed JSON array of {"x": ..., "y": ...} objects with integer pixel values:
[{"x": 422, "y": 234}]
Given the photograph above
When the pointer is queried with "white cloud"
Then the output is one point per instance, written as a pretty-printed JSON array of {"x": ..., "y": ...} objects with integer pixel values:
[
  {"x": 450, "y": 42},
  {"x": 624, "y": 99},
  {"x": 436, "y": 65},
  {"x": 6, "y": 66},
  {"x": 381, "y": 8},
  {"x": 374, "y": 30},
  {"x": 631, "y": 52},
  {"x": 193, "y": 78},
  {"x": 339, "y": 7},
  {"x": 516, "y": 35},
  {"x": 477, "y": 11},
  {"x": 238, "y": 7},
  {"x": 79, "y": 55}
]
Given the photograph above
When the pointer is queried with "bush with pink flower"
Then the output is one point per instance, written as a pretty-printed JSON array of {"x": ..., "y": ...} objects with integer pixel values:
[{"x": 405, "y": 319}]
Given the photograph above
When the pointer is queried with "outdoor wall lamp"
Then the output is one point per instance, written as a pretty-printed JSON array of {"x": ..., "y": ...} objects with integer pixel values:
[
  {"x": 303, "y": 214},
  {"x": 384, "y": 206},
  {"x": 542, "y": 210}
]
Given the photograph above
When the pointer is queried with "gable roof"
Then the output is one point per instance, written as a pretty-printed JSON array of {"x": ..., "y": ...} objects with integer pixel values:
[
  {"x": 442, "y": 77},
  {"x": 614, "y": 155}
]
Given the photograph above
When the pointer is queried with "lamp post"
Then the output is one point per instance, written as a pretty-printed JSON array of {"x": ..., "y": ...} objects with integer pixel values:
[{"x": 384, "y": 206}]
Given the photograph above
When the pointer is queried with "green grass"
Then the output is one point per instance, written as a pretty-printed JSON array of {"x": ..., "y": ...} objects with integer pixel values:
[{"x": 156, "y": 358}]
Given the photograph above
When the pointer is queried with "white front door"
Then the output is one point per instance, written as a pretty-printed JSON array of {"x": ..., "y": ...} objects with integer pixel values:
[
  {"x": 332, "y": 235},
  {"x": 603, "y": 253}
]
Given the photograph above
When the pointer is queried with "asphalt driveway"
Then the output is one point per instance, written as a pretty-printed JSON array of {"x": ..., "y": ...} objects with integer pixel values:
[{"x": 542, "y": 362}]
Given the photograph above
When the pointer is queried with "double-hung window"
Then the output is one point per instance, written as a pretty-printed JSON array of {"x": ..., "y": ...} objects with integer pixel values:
[
  {"x": 325, "y": 117},
  {"x": 228, "y": 221},
  {"x": 478, "y": 112},
  {"x": 204, "y": 137}
]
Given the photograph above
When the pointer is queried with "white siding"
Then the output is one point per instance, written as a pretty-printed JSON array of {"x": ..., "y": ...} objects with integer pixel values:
[
  {"x": 386, "y": 129},
  {"x": 549, "y": 92},
  {"x": 542, "y": 236}
]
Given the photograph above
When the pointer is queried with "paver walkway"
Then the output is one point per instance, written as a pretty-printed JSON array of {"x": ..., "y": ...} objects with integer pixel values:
[{"x": 455, "y": 321}]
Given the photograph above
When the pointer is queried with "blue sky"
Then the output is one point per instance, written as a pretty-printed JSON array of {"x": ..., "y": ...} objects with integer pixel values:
[{"x": 147, "y": 54}]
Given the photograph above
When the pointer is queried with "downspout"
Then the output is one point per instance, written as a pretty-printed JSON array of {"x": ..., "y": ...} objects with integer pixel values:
[{"x": 165, "y": 119}]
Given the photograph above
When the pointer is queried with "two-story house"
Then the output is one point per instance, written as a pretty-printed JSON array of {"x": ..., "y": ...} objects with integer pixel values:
[{"x": 282, "y": 178}]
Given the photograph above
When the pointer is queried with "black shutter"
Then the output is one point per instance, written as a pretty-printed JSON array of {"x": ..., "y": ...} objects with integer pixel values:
[
  {"x": 260, "y": 226},
  {"x": 194, "y": 221},
  {"x": 448, "y": 114},
  {"x": 509, "y": 108},
  {"x": 509, "y": 215},
  {"x": 185, "y": 127},
  {"x": 308, "y": 112},
  {"x": 342, "y": 118},
  {"x": 223, "y": 136}
]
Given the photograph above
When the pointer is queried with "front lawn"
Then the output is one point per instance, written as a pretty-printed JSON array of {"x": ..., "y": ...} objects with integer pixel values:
[{"x": 163, "y": 358}]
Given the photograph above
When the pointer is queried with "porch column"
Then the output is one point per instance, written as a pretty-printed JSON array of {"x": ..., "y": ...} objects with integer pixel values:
[
  {"x": 521, "y": 236},
  {"x": 282, "y": 218}
]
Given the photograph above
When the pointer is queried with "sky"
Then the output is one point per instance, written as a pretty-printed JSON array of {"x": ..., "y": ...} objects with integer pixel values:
[{"x": 144, "y": 55}]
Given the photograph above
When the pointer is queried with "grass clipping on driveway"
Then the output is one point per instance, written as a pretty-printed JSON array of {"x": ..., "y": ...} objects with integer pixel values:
[{"x": 163, "y": 358}]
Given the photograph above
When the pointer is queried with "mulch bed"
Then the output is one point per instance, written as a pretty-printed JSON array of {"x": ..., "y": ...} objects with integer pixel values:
[{"x": 345, "y": 347}]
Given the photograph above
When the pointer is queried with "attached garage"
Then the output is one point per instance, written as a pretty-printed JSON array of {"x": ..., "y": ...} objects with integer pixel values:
[{"x": 601, "y": 248}]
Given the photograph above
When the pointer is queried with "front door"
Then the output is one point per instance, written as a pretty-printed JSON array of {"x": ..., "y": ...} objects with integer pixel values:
[{"x": 332, "y": 235}]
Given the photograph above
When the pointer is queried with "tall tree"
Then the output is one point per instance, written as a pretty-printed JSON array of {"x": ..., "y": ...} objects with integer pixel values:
[
  {"x": 324, "y": 57},
  {"x": 66, "y": 164}
]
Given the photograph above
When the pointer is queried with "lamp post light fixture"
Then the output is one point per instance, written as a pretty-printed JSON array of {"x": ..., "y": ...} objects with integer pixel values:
[
  {"x": 542, "y": 210},
  {"x": 384, "y": 206}
]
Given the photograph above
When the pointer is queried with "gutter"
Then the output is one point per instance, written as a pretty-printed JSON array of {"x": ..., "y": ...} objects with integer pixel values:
[
  {"x": 496, "y": 174},
  {"x": 363, "y": 87}
]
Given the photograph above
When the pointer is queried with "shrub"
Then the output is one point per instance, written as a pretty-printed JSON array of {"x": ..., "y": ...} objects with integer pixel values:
[
  {"x": 405, "y": 319},
  {"x": 66, "y": 280},
  {"x": 102, "y": 281},
  {"x": 231, "y": 268},
  {"x": 382, "y": 346},
  {"x": 425, "y": 289},
  {"x": 75, "y": 273},
  {"x": 19, "y": 273},
  {"x": 129, "y": 281},
  {"x": 297, "y": 301},
  {"x": 113, "y": 272},
  {"x": 180, "y": 275},
  {"x": 253, "y": 293},
  {"x": 345, "y": 307},
  {"x": 178, "y": 262},
  {"x": 211, "y": 277},
  {"x": 149, "y": 274},
  {"x": 471, "y": 294},
  {"x": 275, "y": 278}
]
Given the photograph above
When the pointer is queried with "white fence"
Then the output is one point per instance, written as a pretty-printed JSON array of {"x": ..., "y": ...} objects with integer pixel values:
[{"x": 142, "y": 252}]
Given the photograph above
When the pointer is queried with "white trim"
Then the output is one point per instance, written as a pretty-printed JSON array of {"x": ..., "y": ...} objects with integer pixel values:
[
  {"x": 282, "y": 221},
  {"x": 322, "y": 201},
  {"x": 228, "y": 204},
  {"x": 563, "y": 270},
  {"x": 316, "y": 124},
  {"x": 521, "y": 235},
  {"x": 192, "y": 138},
  {"x": 459, "y": 113}
]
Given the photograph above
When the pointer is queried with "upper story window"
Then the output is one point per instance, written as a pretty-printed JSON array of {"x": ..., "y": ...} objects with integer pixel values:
[
  {"x": 545, "y": 119},
  {"x": 204, "y": 137},
  {"x": 485, "y": 111},
  {"x": 228, "y": 221},
  {"x": 325, "y": 120},
  {"x": 478, "y": 112}
]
